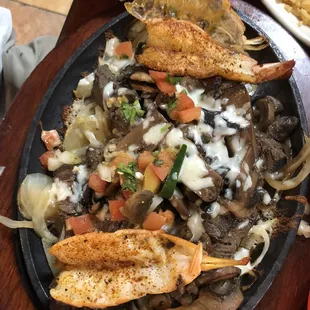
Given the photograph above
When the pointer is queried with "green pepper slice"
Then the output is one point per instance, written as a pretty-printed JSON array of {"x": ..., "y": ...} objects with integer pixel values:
[{"x": 172, "y": 179}]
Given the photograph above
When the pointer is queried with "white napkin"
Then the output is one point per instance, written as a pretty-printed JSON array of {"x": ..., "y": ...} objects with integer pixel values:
[{"x": 5, "y": 29}]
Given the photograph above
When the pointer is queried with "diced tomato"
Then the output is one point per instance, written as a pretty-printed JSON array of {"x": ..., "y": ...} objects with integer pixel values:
[
  {"x": 154, "y": 221},
  {"x": 166, "y": 87},
  {"x": 174, "y": 114},
  {"x": 160, "y": 78},
  {"x": 156, "y": 75},
  {"x": 81, "y": 224},
  {"x": 115, "y": 209},
  {"x": 96, "y": 183},
  {"x": 124, "y": 48},
  {"x": 151, "y": 181},
  {"x": 127, "y": 193},
  {"x": 189, "y": 115},
  {"x": 45, "y": 157},
  {"x": 168, "y": 215},
  {"x": 185, "y": 102},
  {"x": 50, "y": 138},
  {"x": 161, "y": 172},
  {"x": 145, "y": 159},
  {"x": 167, "y": 156},
  {"x": 122, "y": 157}
]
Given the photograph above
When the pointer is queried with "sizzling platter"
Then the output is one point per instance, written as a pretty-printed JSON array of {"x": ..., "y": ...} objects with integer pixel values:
[{"x": 260, "y": 93}]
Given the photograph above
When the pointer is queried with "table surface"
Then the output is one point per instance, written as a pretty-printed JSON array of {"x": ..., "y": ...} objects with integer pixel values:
[{"x": 291, "y": 286}]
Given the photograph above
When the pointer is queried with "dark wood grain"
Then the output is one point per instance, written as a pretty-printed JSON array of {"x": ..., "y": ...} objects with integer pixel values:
[{"x": 290, "y": 288}]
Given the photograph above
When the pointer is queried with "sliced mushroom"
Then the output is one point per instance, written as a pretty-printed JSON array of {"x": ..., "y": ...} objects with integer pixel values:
[
  {"x": 144, "y": 87},
  {"x": 137, "y": 206},
  {"x": 266, "y": 108},
  {"x": 211, "y": 301},
  {"x": 142, "y": 77}
]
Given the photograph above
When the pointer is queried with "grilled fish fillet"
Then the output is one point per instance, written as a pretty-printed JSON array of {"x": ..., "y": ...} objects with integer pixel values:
[
  {"x": 152, "y": 264},
  {"x": 182, "y": 48}
]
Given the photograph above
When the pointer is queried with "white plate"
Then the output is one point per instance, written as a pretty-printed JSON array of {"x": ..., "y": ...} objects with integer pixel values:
[{"x": 288, "y": 20}]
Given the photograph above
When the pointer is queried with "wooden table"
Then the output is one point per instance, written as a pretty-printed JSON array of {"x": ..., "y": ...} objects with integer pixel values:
[{"x": 290, "y": 288}]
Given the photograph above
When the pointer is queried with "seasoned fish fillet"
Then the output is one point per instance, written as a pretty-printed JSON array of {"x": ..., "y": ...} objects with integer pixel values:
[
  {"x": 182, "y": 48},
  {"x": 100, "y": 270},
  {"x": 157, "y": 266}
]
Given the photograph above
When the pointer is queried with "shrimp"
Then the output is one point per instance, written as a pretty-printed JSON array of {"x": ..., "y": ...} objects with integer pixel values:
[{"x": 100, "y": 270}]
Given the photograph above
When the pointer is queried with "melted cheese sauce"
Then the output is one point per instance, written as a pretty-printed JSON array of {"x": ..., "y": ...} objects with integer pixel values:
[
  {"x": 155, "y": 134},
  {"x": 109, "y": 58},
  {"x": 195, "y": 225},
  {"x": 194, "y": 173}
]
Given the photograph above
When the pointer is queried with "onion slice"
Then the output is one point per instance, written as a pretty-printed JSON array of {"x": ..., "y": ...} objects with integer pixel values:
[
  {"x": 15, "y": 224},
  {"x": 290, "y": 183}
]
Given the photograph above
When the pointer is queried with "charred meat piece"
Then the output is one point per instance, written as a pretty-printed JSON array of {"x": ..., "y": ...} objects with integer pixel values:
[
  {"x": 270, "y": 151},
  {"x": 226, "y": 233},
  {"x": 215, "y": 275},
  {"x": 68, "y": 208},
  {"x": 112, "y": 226},
  {"x": 103, "y": 76},
  {"x": 283, "y": 128},
  {"x": 163, "y": 98},
  {"x": 137, "y": 206},
  {"x": 178, "y": 202},
  {"x": 65, "y": 174},
  {"x": 191, "y": 84},
  {"x": 93, "y": 157},
  {"x": 118, "y": 123},
  {"x": 136, "y": 135}
]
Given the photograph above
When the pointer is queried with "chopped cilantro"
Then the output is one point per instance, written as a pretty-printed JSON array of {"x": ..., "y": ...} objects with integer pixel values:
[
  {"x": 129, "y": 172},
  {"x": 171, "y": 106},
  {"x": 132, "y": 111},
  {"x": 173, "y": 79},
  {"x": 155, "y": 153},
  {"x": 166, "y": 127},
  {"x": 158, "y": 162}
]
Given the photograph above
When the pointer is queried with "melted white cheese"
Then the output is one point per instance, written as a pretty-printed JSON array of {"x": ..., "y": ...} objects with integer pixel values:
[
  {"x": 221, "y": 161},
  {"x": 221, "y": 128},
  {"x": 200, "y": 100},
  {"x": 194, "y": 173},
  {"x": 228, "y": 194},
  {"x": 109, "y": 58},
  {"x": 155, "y": 134},
  {"x": 235, "y": 116},
  {"x": 248, "y": 181},
  {"x": 82, "y": 175},
  {"x": 195, "y": 225},
  {"x": 215, "y": 209},
  {"x": 108, "y": 91},
  {"x": 60, "y": 190}
]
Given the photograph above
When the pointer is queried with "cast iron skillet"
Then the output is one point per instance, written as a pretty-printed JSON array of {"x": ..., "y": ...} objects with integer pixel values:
[{"x": 36, "y": 273}]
